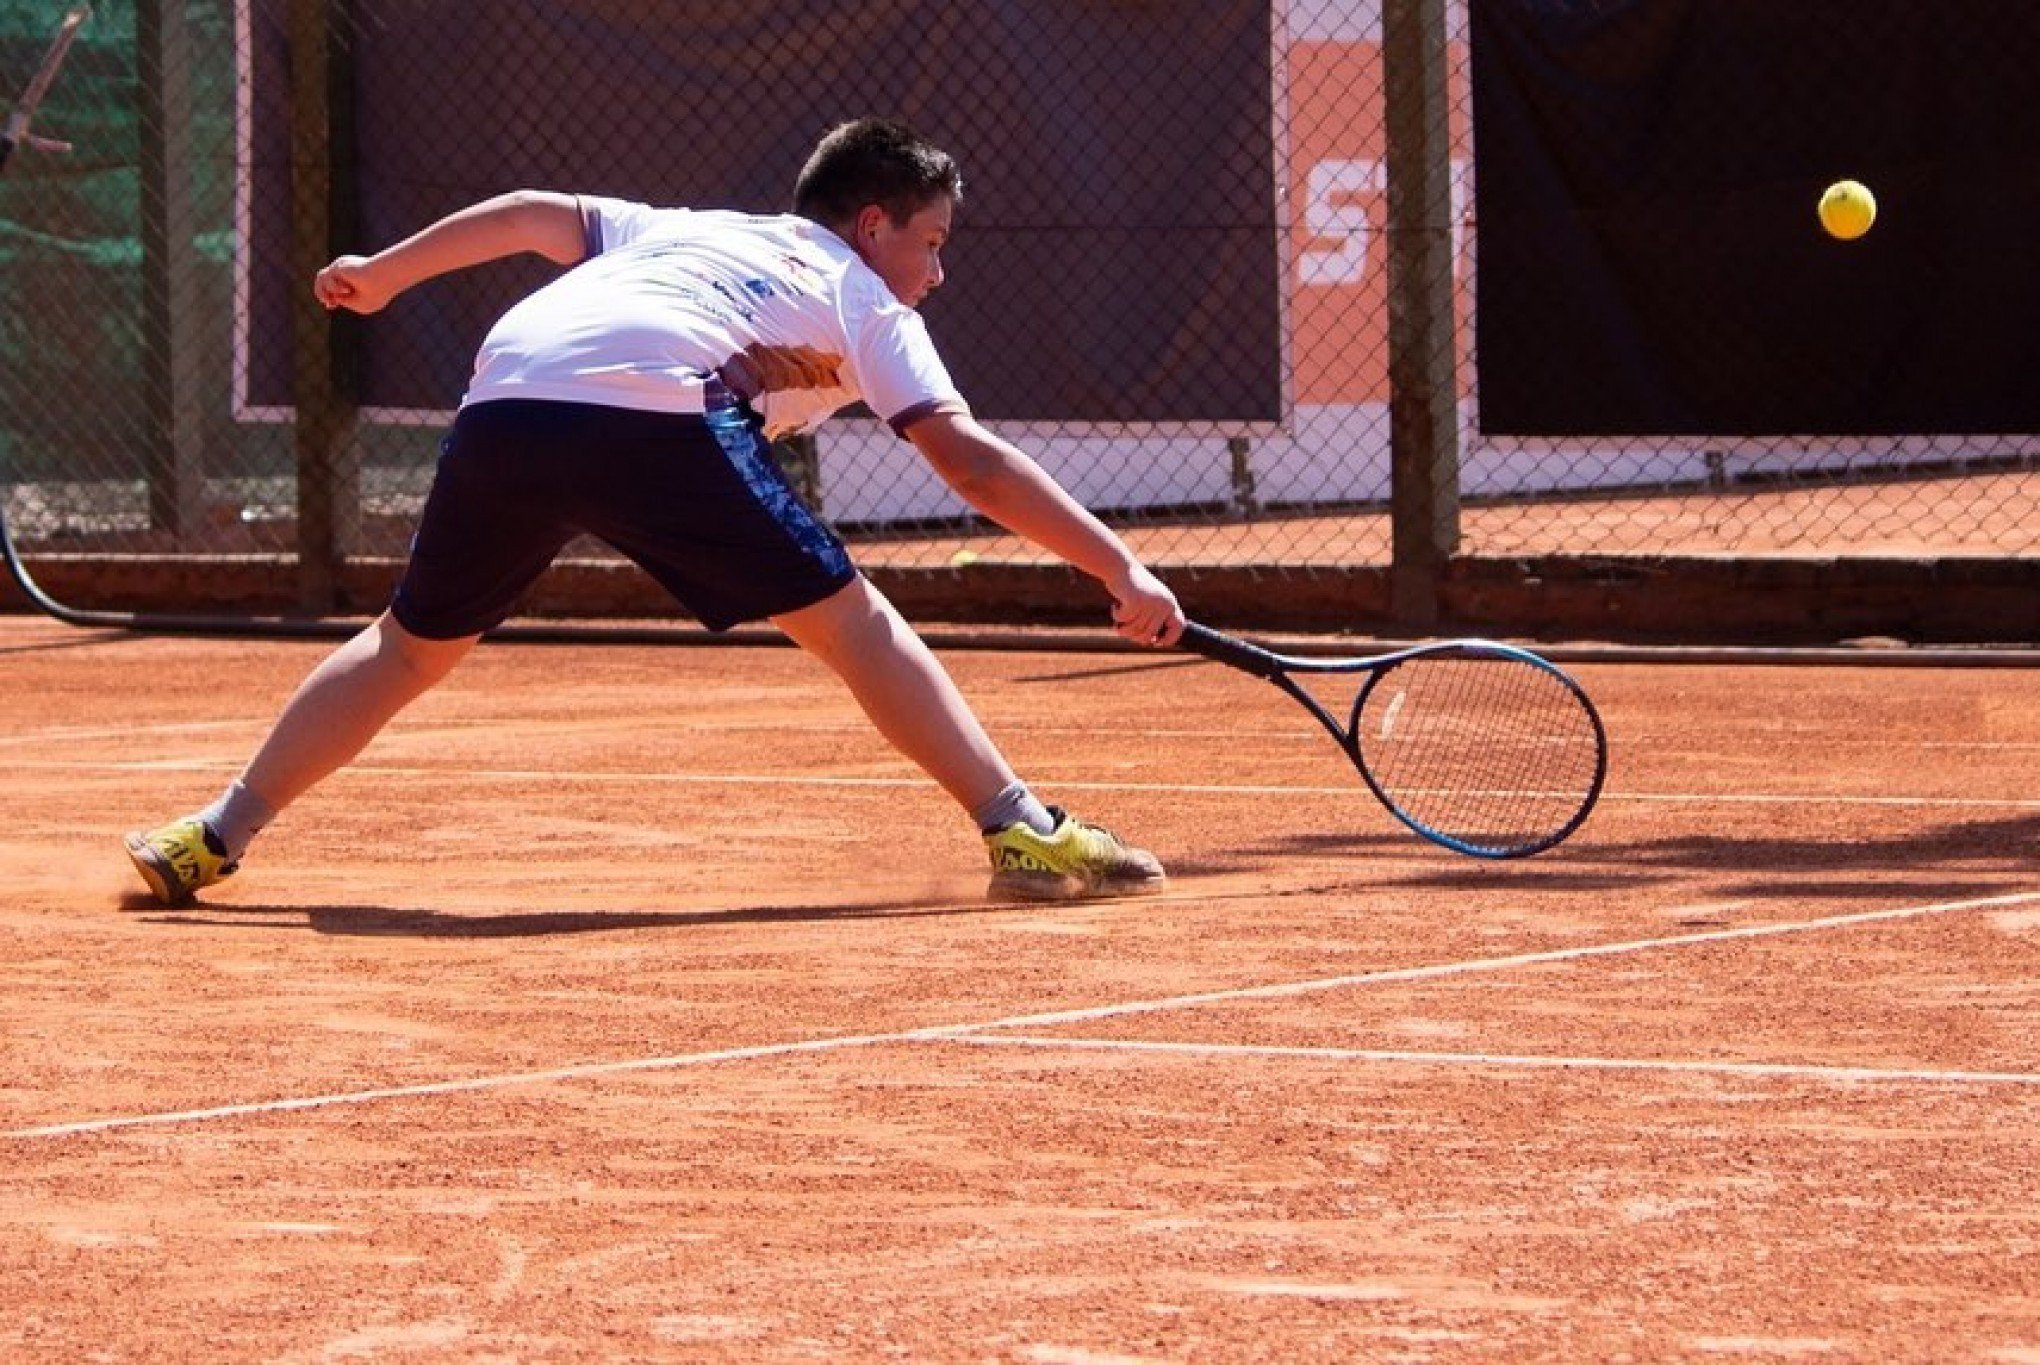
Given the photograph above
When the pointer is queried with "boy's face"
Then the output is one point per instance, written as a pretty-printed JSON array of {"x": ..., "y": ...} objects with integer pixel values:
[{"x": 908, "y": 257}]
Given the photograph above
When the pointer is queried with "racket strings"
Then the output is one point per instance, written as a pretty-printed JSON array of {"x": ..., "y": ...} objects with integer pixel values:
[{"x": 1489, "y": 751}]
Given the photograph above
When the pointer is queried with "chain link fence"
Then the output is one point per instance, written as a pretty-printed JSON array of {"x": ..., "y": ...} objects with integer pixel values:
[{"x": 1184, "y": 278}]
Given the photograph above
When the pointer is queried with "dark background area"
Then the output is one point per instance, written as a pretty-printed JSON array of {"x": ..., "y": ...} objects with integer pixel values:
[
  {"x": 1115, "y": 259},
  {"x": 1649, "y": 256}
]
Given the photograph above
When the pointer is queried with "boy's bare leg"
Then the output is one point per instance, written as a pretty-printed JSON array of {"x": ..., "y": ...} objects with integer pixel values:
[
  {"x": 903, "y": 688},
  {"x": 911, "y": 699},
  {"x": 344, "y": 703},
  {"x": 336, "y": 711}
]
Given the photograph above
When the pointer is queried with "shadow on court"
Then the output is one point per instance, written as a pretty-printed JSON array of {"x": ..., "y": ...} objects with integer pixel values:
[
  {"x": 1109, "y": 670},
  {"x": 385, "y": 921},
  {"x": 1942, "y": 862},
  {"x": 2005, "y": 844},
  {"x": 1761, "y": 864},
  {"x": 88, "y": 641}
]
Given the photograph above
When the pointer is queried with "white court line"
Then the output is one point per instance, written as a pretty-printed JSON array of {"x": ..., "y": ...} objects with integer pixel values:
[
  {"x": 942, "y": 1032},
  {"x": 1050, "y": 783},
  {"x": 396, "y": 1092},
  {"x": 1787, "y": 1070},
  {"x": 1487, "y": 964},
  {"x": 70, "y": 733}
]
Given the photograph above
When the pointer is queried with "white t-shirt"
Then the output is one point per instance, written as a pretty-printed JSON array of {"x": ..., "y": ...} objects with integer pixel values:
[{"x": 779, "y": 307}]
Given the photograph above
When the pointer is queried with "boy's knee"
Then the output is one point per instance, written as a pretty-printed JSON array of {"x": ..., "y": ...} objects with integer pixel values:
[
  {"x": 855, "y": 617},
  {"x": 423, "y": 659}
]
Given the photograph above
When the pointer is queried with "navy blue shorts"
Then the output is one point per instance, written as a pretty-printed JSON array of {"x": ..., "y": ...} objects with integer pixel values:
[{"x": 697, "y": 501}]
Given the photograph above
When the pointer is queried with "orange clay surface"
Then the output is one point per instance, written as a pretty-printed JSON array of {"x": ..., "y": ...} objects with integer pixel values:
[{"x": 639, "y": 1004}]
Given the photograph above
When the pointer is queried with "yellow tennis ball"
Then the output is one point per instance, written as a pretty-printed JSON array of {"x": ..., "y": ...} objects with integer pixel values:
[
  {"x": 963, "y": 559},
  {"x": 1847, "y": 209}
]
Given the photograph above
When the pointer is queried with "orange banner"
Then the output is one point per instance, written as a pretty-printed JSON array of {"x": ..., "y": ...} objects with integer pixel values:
[{"x": 1338, "y": 195}]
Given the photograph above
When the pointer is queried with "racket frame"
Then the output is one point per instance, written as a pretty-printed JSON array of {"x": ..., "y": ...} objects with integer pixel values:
[{"x": 1277, "y": 668}]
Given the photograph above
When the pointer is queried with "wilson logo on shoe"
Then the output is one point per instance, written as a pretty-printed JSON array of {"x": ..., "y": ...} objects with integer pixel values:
[{"x": 1020, "y": 860}]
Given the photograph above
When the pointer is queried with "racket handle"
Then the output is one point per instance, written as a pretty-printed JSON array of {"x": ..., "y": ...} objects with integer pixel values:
[{"x": 1226, "y": 650}]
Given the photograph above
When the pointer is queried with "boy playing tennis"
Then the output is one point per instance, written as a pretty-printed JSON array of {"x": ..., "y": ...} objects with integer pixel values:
[{"x": 632, "y": 399}]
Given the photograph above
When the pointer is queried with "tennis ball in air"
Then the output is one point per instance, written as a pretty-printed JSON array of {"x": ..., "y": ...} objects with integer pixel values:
[
  {"x": 1847, "y": 209},
  {"x": 963, "y": 559}
]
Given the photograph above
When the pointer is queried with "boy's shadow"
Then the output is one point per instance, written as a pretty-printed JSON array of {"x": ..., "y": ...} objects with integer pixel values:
[{"x": 389, "y": 921}]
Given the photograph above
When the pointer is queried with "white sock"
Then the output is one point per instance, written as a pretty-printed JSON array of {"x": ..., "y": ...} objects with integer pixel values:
[
  {"x": 237, "y": 817},
  {"x": 1013, "y": 805}
]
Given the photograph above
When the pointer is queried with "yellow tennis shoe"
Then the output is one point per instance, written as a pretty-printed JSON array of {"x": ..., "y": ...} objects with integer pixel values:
[
  {"x": 179, "y": 858},
  {"x": 1074, "y": 859}
]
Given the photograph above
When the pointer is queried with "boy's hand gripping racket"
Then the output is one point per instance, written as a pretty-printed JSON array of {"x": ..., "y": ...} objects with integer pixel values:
[
  {"x": 16, "y": 132},
  {"x": 1482, "y": 747}
]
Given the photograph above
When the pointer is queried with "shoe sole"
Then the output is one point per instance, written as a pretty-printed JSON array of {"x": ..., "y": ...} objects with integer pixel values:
[
  {"x": 155, "y": 870},
  {"x": 1015, "y": 884}
]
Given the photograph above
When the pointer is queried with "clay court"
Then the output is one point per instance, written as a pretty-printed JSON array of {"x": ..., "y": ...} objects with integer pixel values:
[{"x": 637, "y": 1003}]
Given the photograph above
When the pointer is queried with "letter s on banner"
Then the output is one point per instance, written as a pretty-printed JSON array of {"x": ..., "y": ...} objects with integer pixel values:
[{"x": 1338, "y": 209}]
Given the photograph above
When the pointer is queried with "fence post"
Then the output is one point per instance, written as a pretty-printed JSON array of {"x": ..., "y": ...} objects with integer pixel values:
[
  {"x": 1246, "y": 501},
  {"x": 1422, "y": 362},
  {"x": 323, "y": 345},
  {"x": 171, "y": 349},
  {"x": 800, "y": 459}
]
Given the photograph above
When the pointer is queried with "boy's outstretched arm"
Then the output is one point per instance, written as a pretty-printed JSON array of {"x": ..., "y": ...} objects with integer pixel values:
[
  {"x": 1002, "y": 482},
  {"x": 523, "y": 220}
]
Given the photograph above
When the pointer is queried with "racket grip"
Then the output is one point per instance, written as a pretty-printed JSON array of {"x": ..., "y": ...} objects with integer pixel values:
[{"x": 1226, "y": 650}]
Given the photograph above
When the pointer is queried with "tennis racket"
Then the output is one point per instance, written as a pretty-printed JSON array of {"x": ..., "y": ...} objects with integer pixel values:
[
  {"x": 16, "y": 132},
  {"x": 1481, "y": 747}
]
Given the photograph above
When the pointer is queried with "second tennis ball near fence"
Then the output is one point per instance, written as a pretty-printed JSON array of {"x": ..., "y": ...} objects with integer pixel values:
[
  {"x": 1847, "y": 209},
  {"x": 963, "y": 559}
]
